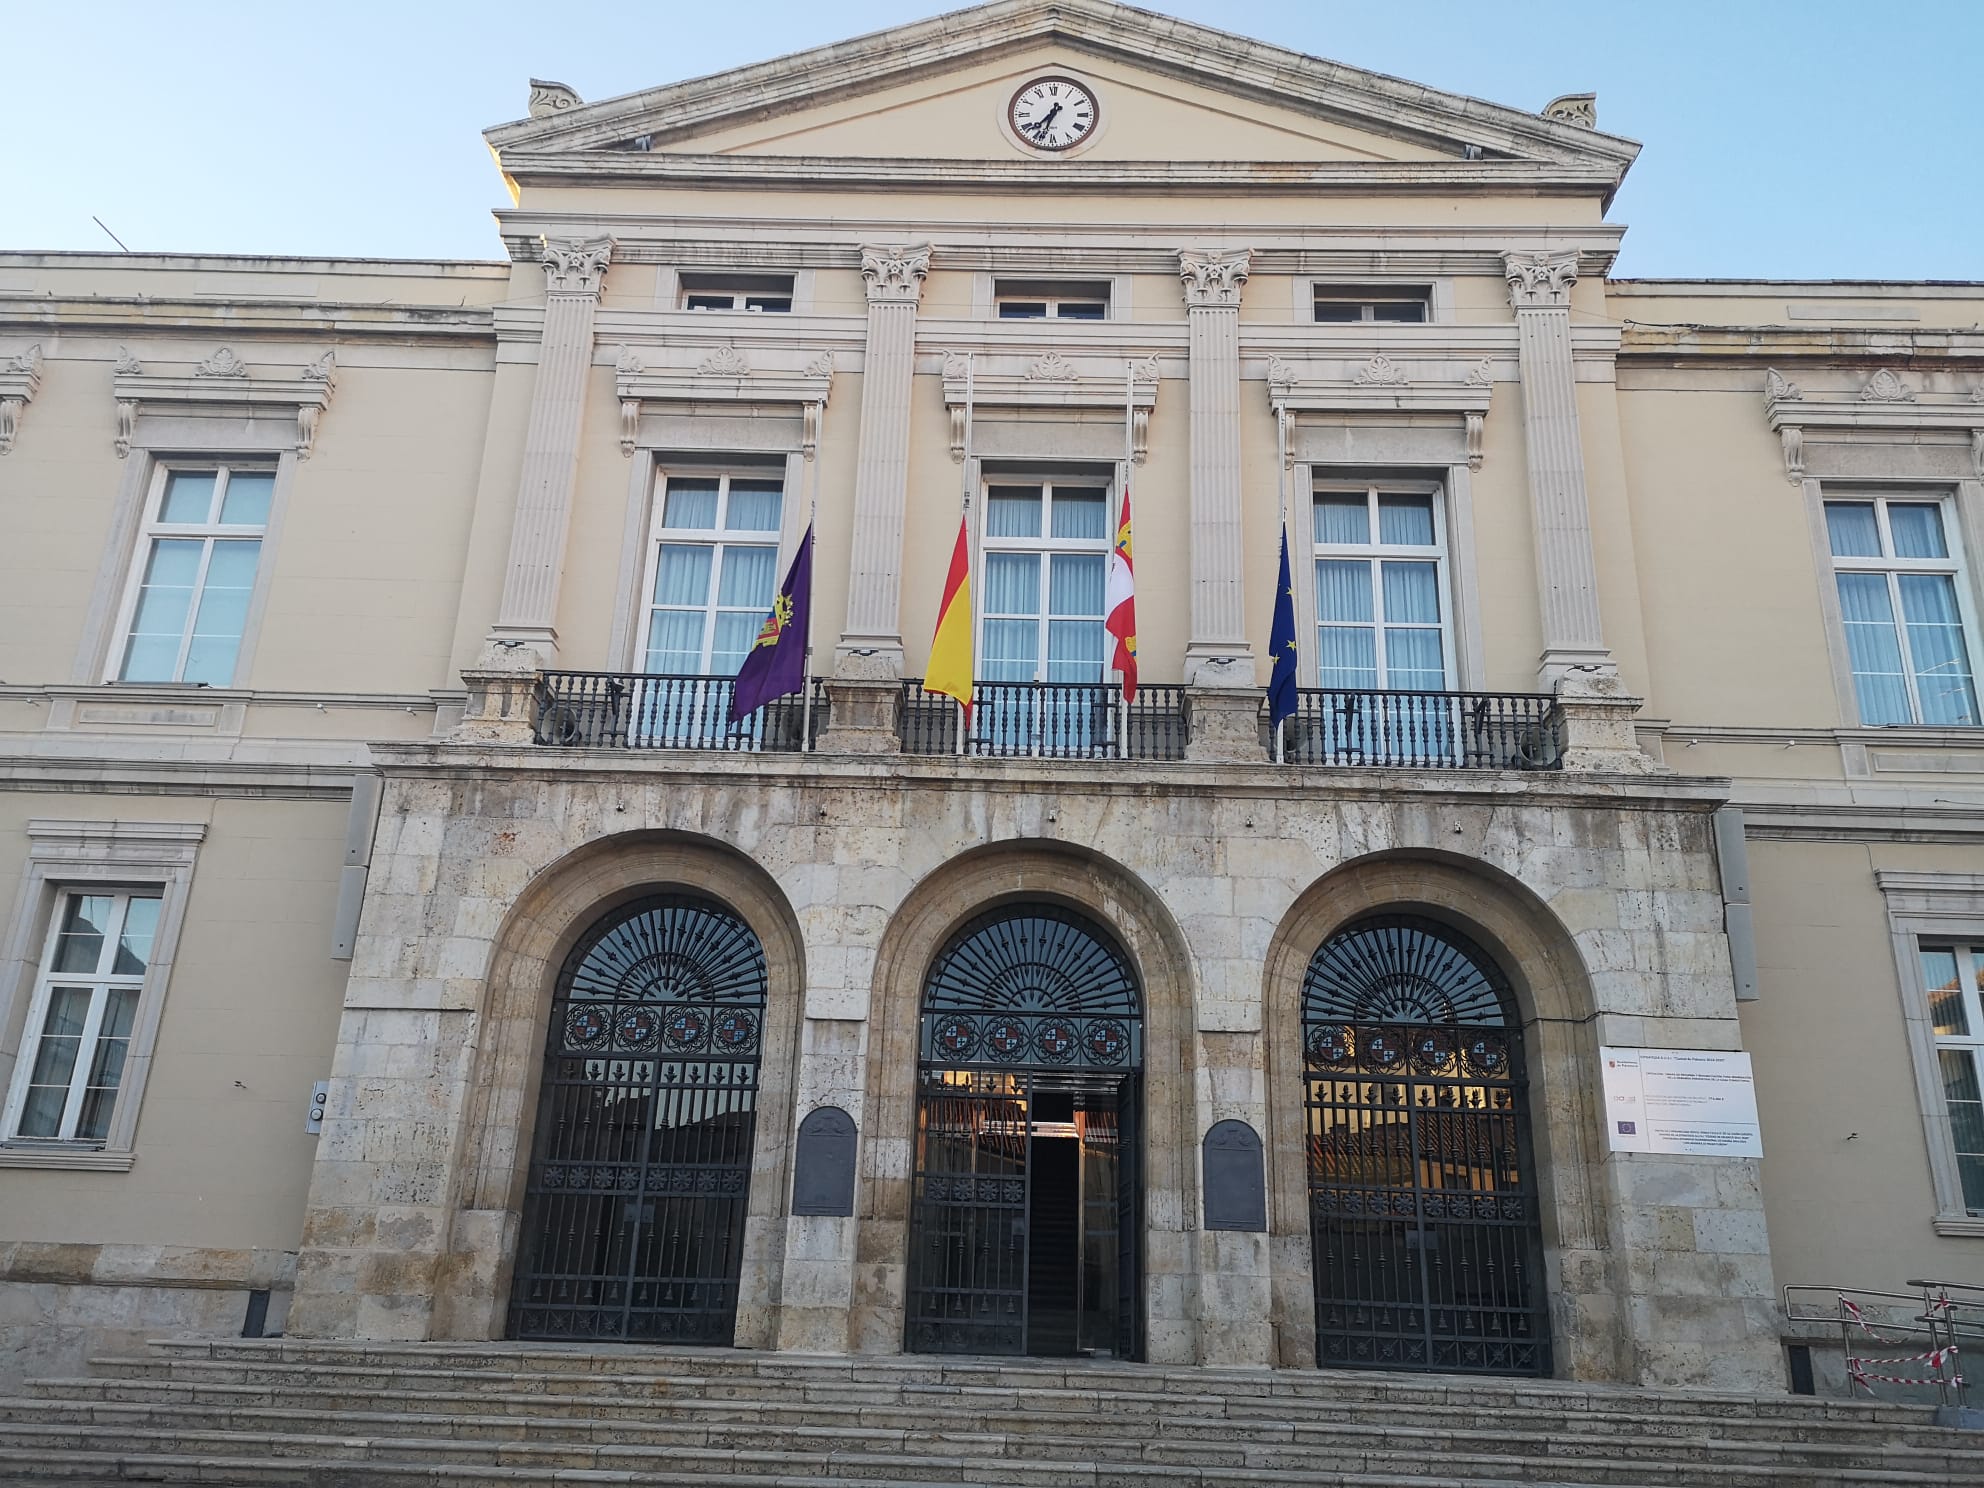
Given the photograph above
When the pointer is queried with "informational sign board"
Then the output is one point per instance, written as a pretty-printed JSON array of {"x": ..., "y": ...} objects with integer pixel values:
[{"x": 1695, "y": 1101}]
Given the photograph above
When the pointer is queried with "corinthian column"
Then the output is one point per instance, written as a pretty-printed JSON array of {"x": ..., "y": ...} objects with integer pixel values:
[
  {"x": 871, "y": 643},
  {"x": 1218, "y": 654},
  {"x": 525, "y": 634},
  {"x": 1573, "y": 642}
]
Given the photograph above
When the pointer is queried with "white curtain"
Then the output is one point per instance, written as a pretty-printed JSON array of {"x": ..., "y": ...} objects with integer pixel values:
[
  {"x": 1935, "y": 645},
  {"x": 1012, "y": 512},
  {"x": 1852, "y": 530},
  {"x": 223, "y": 612},
  {"x": 1874, "y": 648},
  {"x": 1343, "y": 519},
  {"x": 1078, "y": 514},
  {"x": 1917, "y": 529},
  {"x": 1405, "y": 521},
  {"x": 753, "y": 507}
]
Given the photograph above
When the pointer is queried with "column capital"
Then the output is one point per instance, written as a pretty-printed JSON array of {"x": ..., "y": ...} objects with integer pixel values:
[
  {"x": 1213, "y": 280},
  {"x": 895, "y": 274},
  {"x": 576, "y": 266},
  {"x": 1540, "y": 281}
]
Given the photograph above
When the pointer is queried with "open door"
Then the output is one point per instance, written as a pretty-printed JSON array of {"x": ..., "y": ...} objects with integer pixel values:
[{"x": 1129, "y": 1218}]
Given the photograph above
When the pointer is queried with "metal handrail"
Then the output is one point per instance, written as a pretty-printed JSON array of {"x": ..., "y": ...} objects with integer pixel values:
[
  {"x": 1402, "y": 729},
  {"x": 654, "y": 710},
  {"x": 1046, "y": 720},
  {"x": 1929, "y": 1311}
]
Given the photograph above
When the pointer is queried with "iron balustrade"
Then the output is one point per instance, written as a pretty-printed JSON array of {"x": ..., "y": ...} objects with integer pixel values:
[
  {"x": 645, "y": 710},
  {"x": 1047, "y": 720},
  {"x": 1423, "y": 730}
]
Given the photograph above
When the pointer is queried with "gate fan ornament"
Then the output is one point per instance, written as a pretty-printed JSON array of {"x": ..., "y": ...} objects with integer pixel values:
[
  {"x": 1400, "y": 969},
  {"x": 674, "y": 949}
]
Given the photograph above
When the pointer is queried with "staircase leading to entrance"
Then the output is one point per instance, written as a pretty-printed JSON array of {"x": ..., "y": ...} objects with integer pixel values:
[{"x": 327, "y": 1415}]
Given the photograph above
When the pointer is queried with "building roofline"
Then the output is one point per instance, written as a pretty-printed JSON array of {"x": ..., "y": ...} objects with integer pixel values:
[{"x": 260, "y": 262}]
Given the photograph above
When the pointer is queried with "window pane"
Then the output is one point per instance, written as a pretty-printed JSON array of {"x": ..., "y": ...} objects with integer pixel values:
[
  {"x": 1074, "y": 650},
  {"x": 1412, "y": 660},
  {"x": 731, "y": 641},
  {"x": 55, "y": 1062},
  {"x": 682, "y": 574},
  {"x": 1343, "y": 590},
  {"x": 1343, "y": 519},
  {"x": 1074, "y": 584},
  {"x": 754, "y": 506},
  {"x": 246, "y": 503},
  {"x": 107, "y": 1069},
  {"x": 690, "y": 503},
  {"x": 1080, "y": 310},
  {"x": 1852, "y": 529},
  {"x": 1412, "y": 593},
  {"x": 1875, "y": 650},
  {"x": 1335, "y": 312},
  {"x": 1935, "y": 643},
  {"x": 1347, "y": 656},
  {"x": 749, "y": 578},
  {"x": 711, "y": 301},
  {"x": 1959, "y": 1070},
  {"x": 79, "y": 943},
  {"x": 1013, "y": 511},
  {"x": 1012, "y": 584},
  {"x": 1917, "y": 528},
  {"x": 1402, "y": 312},
  {"x": 164, "y": 600},
  {"x": 1022, "y": 309},
  {"x": 1939, "y": 975},
  {"x": 1080, "y": 514},
  {"x": 1009, "y": 650},
  {"x": 675, "y": 641},
  {"x": 134, "y": 945},
  {"x": 1406, "y": 521},
  {"x": 767, "y": 302},
  {"x": 223, "y": 613},
  {"x": 189, "y": 496}
]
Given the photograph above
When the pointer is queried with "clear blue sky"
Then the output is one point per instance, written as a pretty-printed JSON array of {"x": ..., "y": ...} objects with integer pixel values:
[{"x": 1789, "y": 138}]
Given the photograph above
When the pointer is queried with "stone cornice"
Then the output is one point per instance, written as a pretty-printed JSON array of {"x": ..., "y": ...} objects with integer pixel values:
[
  {"x": 222, "y": 385},
  {"x": 1885, "y": 404},
  {"x": 1050, "y": 382},
  {"x": 20, "y": 380},
  {"x": 139, "y": 315},
  {"x": 1380, "y": 385},
  {"x": 720, "y": 374}
]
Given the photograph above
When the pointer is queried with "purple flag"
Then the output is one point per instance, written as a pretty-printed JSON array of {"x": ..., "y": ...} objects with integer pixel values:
[{"x": 775, "y": 666}]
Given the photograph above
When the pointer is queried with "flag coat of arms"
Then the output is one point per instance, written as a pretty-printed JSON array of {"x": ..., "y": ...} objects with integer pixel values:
[
  {"x": 1119, "y": 604},
  {"x": 775, "y": 666},
  {"x": 1281, "y": 642},
  {"x": 950, "y": 669}
]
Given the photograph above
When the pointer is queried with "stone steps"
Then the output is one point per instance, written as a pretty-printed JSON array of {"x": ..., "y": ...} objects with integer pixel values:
[{"x": 277, "y": 1413}]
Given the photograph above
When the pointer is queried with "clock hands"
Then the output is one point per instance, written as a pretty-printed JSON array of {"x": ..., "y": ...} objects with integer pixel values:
[{"x": 1046, "y": 123}]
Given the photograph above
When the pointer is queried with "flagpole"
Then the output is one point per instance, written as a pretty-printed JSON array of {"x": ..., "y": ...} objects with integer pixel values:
[
  {"x": 812, "y": 476},
  {"x": 1129, "y": 456},
  {"x": 1281, "y": 492},
  {"x": 964, "y": 510}
]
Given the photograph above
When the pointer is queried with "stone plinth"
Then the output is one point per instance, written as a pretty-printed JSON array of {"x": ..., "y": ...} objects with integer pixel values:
[
  {"x": 1223, "y": 725},
  {"x": 863, "y": 716}
]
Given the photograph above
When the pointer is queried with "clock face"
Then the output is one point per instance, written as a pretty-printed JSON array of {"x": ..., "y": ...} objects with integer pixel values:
[{"x": 1054, "y": 113}]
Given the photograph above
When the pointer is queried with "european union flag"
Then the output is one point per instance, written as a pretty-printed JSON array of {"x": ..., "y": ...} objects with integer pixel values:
[{"x": 1281, "y": 641}]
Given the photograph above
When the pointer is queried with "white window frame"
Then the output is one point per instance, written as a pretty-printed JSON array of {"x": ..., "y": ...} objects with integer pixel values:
[
  {"x": 85, "y": 857},
  {"x": 1367, "y": 294},
  {"x": 716, "y": 537},
  {"x": 1891, "y": 566},
  {"x": 152, "y": 530},
  {"x": 1968, "y": 953},
  {"x": 1309, "y": 552},
  {"x": 1934, "y": 909},
  {"x": 1045, "y": 546},
  {"x": 1053, "y": 296},
  {"x": 740, "y": 289}
]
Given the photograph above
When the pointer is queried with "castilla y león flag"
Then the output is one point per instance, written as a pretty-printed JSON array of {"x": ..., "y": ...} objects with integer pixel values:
[
  {"x": 1119, "y": 604},
  {"x": 950, "y": 666},
  {"x": 775, "y": 666}
]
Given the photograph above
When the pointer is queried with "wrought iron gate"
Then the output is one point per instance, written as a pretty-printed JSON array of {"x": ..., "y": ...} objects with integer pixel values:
[
  {"x": 1026, "y": 1010},
  {"x": 640, "y": 1172},
  {"x": 1422, "y": 1194}
]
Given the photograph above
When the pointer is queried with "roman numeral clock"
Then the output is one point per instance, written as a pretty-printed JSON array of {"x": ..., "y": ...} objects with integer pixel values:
[{"x": 1053, "y": 113}]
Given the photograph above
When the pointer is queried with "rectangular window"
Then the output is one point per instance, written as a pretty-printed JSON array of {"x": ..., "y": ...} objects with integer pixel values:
[
  {"x": 80, "y": 1020},
  {"x": 756, "y": 292},
  {"x": 1046, "y": 560},
  {"x": 1382, "y": 620},
  {"x": 196, "y": 573},
  {"x": 1904, "y": 609},
  {"x": 712, "y": 572},
  {"x": 1052, "y": 299},
  {"x": 1397, "y": 304},
  {"x": 1953, "y": 976}
]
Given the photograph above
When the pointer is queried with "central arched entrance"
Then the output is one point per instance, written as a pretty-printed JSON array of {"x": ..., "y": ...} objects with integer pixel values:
[
  {"x": 1026, "y": 1220},
  {"x": 640, "y": 1172},
  {"x": 1427, "y": 1248}
]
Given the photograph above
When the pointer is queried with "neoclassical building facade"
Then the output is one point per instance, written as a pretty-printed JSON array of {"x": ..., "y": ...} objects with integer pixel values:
[{"x": 405, "y": 942}]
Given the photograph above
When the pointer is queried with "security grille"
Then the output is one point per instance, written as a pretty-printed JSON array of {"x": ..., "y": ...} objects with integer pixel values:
[
  {"x": 1422, "y": 1198},
  {"x": 640, "y": 1174}
]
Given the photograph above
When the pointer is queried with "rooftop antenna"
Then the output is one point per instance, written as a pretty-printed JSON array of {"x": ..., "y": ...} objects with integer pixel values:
[{"x": 108, "y": 233}]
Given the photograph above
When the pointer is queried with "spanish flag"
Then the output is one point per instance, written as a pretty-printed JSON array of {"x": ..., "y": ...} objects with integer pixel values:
[
  {"x": 1119, "y": 602},
  {"x": 950, "y": 666}
]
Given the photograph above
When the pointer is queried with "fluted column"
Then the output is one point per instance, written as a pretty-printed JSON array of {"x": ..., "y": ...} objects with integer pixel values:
[
  {"x": 871, "y": 643},
  {"x": 525, "y": 634},
  {"x": 1566, "y": 576},
  {"x": 1218, "y": 654}
]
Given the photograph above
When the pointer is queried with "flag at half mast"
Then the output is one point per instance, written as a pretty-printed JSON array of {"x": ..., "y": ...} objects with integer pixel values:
[
  {"x": 1282, "y": 695},
  {"x": 775, "y": 666},
  {"x": 1119, "y": 603},
  {"x": 950, "y": 669}
]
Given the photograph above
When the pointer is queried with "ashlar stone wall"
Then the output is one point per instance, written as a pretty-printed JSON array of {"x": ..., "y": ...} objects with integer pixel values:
[{"x": 1598, "y": 894}]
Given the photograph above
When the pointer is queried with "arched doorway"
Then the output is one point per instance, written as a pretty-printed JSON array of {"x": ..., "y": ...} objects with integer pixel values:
[
  {"x": 1026, "y": 1222},
  {"x": 640, "y": 1171},
  {"x": 1427, "y": 1248}
]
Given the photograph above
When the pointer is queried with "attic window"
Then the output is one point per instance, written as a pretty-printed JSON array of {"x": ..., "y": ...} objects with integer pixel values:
[
  {"x": 1397, "y": 304},
  {"x": 1052, "y": 299},
  {"x": 760, "y": 292}
]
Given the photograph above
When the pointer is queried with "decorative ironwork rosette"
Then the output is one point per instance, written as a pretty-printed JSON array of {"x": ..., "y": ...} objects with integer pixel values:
[
  {"x": 1487, "y": 1055},
  {"x": 1006, "y": 1039},
  {"x": 1330, "y": 1044},
  {"x": 1432, "y": 1049},
  {"x": 1055, "y": 1040},
  {"x": 1106, "y": 1041},
  {"x": 685, "y": 1028},
  {"x": 955, "y": 1038},
  {"x": 586, "y": 1027},
  {"x": 637, "y": 1027},
  {"x": 1383, "y": 1049},
  {"x": 736, "y": 1031}
]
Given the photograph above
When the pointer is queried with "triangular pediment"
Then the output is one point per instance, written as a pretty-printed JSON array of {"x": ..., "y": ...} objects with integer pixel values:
[{"x": 1170, "y": 91}]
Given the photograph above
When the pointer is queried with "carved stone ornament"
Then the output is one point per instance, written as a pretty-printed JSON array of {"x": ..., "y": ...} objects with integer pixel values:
[
  {"x": 895, "y": 274},
  {"x": 1778, "y": 389},
  {"x": 1477, "y": 428},
  {"x": 20, "y": 380},
  {"x": 1540, "y": 281},
  {"x": 1886, "y": 387},
  {"x": 576, "y": 266},
  {"x": 821, "y": 365},
  {"x": 1282, "y": 374},
  {"x": 1574, "y": 108},
  {"x": 1481, "y": 374},
  {"x": 1381, "y": 371},
  {"x": 223, "y": 363},
  {"x": 1977, "y": 393},
  {"x": 1053, "y": 367},
  {"x": 628, "y": 362},
  {"x": 1977, "y": 453},
  {"x": 127, "y": 362},
  {"x": 127, "y": 426},
  {"x": 547, "y": 99},
  {"x": 1213, "y": 280},
  {"x": 28, "y": 362},
  {"x": 1146, "y": 370},
  {"x": 322, "y": 369},
  {"x": 1792, "y": 438},
  {"x": 725, "y": 361},
  {"x": 956, "y": 365},
  {"x": 630, "y": 423}
]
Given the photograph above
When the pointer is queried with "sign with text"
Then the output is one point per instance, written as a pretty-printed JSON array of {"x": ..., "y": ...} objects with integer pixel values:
[{"x": 1696, "y": 1101}]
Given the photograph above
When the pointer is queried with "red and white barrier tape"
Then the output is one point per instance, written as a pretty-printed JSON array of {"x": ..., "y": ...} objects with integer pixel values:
[{"x": 1856, "y": 1369}]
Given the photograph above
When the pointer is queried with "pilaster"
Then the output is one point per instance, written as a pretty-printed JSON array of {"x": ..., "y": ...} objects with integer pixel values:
[
  {"x": 1540, "y": 290},
  {"x": 871, "y": 644},
  {"x": 1218, "y": 654},
  {"x": 525, "y": 635}
]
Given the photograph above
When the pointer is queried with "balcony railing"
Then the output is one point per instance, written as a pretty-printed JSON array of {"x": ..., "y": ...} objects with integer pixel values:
[
  {"x": 620, "y": 710},
  {"x": 1424, "y": 730},
  {"x": 1047, "y": 720}
]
